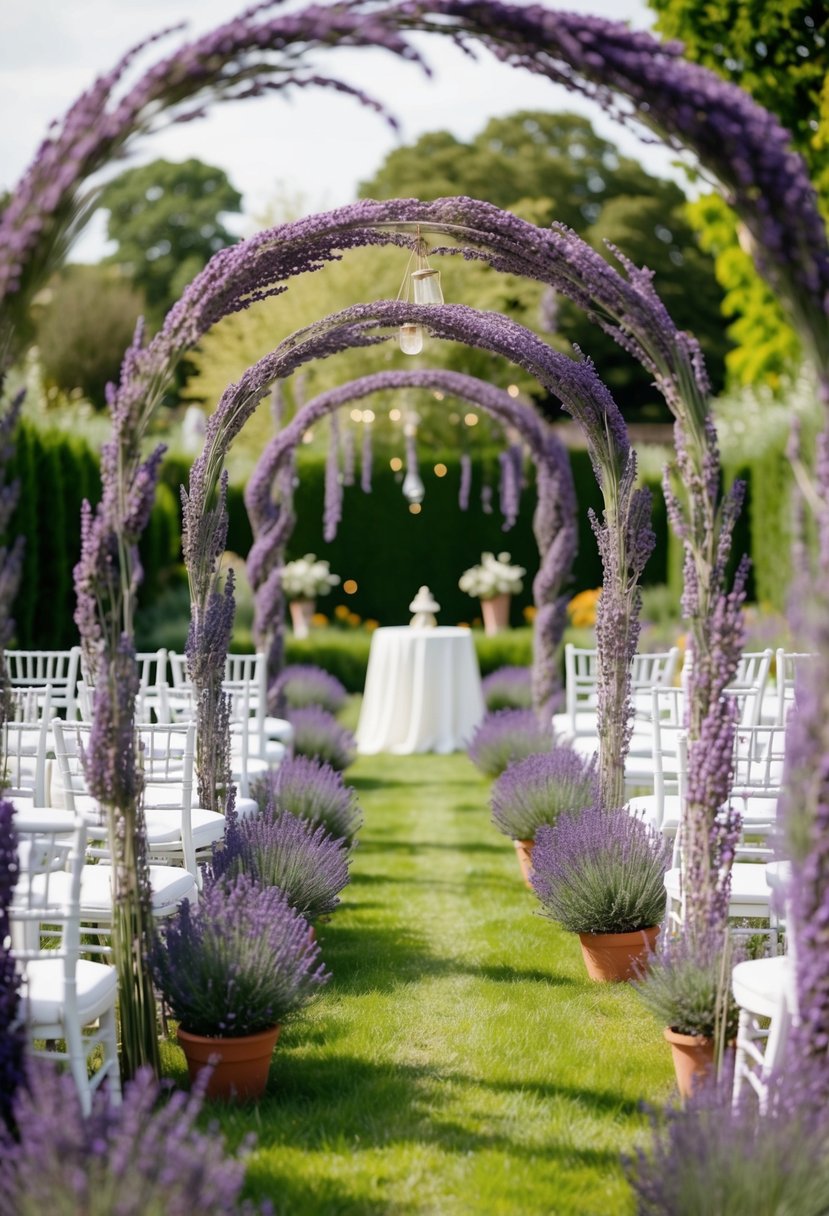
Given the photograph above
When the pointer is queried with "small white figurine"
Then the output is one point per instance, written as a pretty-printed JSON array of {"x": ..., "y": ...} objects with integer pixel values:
[{"x": 424, "y": 608}]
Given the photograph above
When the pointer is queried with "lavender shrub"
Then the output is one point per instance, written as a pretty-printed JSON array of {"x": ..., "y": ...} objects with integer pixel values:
[
  {"x": 278, "y": 849},
  {"x": 314, "y": 791},
  {"x": 239, "y": 962},
  {"x": 600, "y": 871},
  {"x": 535, "y": 791},
  {"x": 303, "y": 684},
  {"x": 687, "y": 986},
  {"x": 319, "y": 734},
  {"x": 140, "y": 1157},
  {"x": 506, "y": 736},
  {"x": 507, "y": 688}
]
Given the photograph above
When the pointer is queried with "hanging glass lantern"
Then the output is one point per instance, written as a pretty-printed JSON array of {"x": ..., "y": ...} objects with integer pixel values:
[{"x": 421, "y": 285}]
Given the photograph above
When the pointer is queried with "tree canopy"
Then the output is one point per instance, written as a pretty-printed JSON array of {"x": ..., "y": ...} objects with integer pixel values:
[
  {"x": 547, "y": 167},
  {"x": 166, "y": 220},
  {"x": 777, "y": 52}
]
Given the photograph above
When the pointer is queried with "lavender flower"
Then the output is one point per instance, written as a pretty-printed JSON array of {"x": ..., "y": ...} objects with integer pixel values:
[
  {"x": 510, "y": 486},
  {"x": 319, "y": 734},
  {"x": 314, "y": 791},
  {"x": 600, "y": 871},
  {"x": 239, "y": 962},
  {"x": 687, "y": 986},
  {"x": 507, "y": 688},
  {"x": 11, "y": 1030},
  {"x": 303, "y": 684},
  {"x": 333, "y": 483},
  {"x": 466, "y": 481},
  {"x": 365, "y": 460},
  {"x": 505, "y": 736},
  {"x": 554, "y": 521},
  {"x": 539, "y": 788},
  {"x": 709, "y": 1157},
  {"x": 134, "y": 1158},
  {"x": 279, "y": 849}
]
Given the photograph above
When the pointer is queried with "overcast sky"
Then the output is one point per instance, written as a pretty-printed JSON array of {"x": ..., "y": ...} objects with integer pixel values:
[{"x": 315, "y": 147}]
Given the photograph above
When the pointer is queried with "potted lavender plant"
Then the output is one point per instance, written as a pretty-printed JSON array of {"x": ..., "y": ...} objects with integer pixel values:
[
  {"x": 687, "y": 987},
  {"x": 508, "y": 688},
  {"x": 600, "y": 874},
  {"x": 534, "y": 791},
  {"x": 304, "y": 684},
  {"x": 505, "y": 736},
  {"x": 232, "y": 969},
  {"x": 318, "y": 733},
  {"x": 314, "y": 791}
]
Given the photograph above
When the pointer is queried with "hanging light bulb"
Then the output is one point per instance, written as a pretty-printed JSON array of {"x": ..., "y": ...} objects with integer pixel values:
[
  {"x": 424, "y": 284},
  {"x": 413, "y": 487}
]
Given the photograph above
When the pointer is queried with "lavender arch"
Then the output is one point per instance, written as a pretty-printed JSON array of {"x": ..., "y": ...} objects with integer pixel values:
[
  {"x": 554, "y": 522},
  {"x": 624, "y": 535}
]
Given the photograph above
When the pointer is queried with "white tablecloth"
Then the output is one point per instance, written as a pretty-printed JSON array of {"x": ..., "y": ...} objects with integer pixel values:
[{"x": 423, "y": 691}]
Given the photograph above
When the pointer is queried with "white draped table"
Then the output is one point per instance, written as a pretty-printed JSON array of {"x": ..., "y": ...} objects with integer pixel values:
[{"x": 423, "y": 691}]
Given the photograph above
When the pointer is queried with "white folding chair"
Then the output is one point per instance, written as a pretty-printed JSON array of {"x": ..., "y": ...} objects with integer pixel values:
[
  {"x": 25, "y": 742},
  {"x": 63, "y": 996},
  {"x": 788, "y": 665},
  {"x": 274, "y": 737},
  {"x": 764, "y": 990},
  {"x": 37, "y": 668},
  {"x": 757, "y": 783},
  {"x": 661, "y": 809}
]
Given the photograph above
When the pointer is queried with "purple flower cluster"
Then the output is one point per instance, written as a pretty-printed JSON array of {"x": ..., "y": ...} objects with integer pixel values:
[
  {"x": 365, "y": 460},
  {"x": 318, "y": 733},
  {"x": 279, "y": 849},
  {"x": 600, "y": 871},
  {"x": 507, "y": 688},
  {"x": 687, "y": 986},
  {"x": 466, "y": 481},
  {"x": 11, "y": 553},
  {"x": 505, "y": 736},
  {"x": 142, "y": 1155},
  {"x": 303, "y": 684},
  {"x": 333, "y": 483},
  {"x": 239, "y": 962},
  {"x": 510, "y": 462},
  {"x": 11, "y": 1031},
  {"x": 534, "y": 791},
  {"x": 314, "y": 791}
]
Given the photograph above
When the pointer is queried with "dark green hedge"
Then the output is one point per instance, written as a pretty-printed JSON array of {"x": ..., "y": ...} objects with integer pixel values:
[{"x": 385, "y": 549}]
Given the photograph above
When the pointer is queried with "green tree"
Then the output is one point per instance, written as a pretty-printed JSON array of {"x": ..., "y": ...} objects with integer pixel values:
[
  {"x": 84, "y": 323},
  {"x": 167, "y": 221},
  {"x": 548, "y": 167},
  {"x": 777, "y": 52}
]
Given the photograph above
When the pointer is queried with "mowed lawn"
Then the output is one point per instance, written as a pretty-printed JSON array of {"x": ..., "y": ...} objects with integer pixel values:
[{"x": 458, "y": 1062}]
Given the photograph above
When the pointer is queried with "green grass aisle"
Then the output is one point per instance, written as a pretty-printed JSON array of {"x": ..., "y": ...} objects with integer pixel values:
[{"x": 459, "y": 1061}]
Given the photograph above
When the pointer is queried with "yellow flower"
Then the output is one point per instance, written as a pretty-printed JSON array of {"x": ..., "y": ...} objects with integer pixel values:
[
  {"x": 370, "y": 624},
  {"x": 582, "y": 608},
  {"x": 353, "y": 619},
  {"x": 529, "y": 613},
  {"x": 319, "y": 619},
  {"x": 341, "y": 612}
]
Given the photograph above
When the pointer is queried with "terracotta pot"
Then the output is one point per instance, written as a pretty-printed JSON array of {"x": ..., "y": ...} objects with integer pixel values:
[
  {"x": 240, "y": 1066},
  {"x": 617, "y": 956},
  {"x": 693, "y": 1059},
  {"x": 301, "y": 613},
  {"x": 524, "y": 851},
  {"x": 495, "y": 612}
]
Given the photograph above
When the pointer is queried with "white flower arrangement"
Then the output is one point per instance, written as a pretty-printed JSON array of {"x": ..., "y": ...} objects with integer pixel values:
[
  {"x": 494, "y": 576},
  {"x": 306, "y": 578}
]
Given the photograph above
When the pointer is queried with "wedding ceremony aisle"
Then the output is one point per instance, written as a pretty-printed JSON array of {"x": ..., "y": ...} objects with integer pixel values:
[{"x": 459, "y": 1062}]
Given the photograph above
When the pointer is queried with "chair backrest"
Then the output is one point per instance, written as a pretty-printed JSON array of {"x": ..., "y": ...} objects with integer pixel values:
[
  {"x": 651, "y": 670},
  {"x": 581, "y": 670},
  {"x": 37, "y": 668},
  {"x": 757, "y": 781},
  {"x": 788, "y": 665},
  {"x": 667, "y": 714},
  {"x": 152, "y": 686},
  {"x": 45, "y": 909},
  {"x": 177, "y": 664},
  {"x": 25, "y": 742},
  {"x": 166, "y": 755},
  {"x": 749, "y": 683}
]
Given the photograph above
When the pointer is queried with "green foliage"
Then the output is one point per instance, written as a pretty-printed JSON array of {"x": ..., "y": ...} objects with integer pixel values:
[
  {"x": 777, "y": 53},
  {"x": 84, "y": 324},
  {"x": 166, "y": 220}
]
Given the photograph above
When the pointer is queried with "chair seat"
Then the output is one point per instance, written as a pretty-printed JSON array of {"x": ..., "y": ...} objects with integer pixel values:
[
  {"x": 647, "y": 809},
  {"x": 96, "y": 985},
  {"x": 169, "y": 885},
  {"x": 278, "y": 728},
  {"x": 759, "y": 984},
  {"x": 750, "y": 893},
  {"x": 164, "y": 827}
]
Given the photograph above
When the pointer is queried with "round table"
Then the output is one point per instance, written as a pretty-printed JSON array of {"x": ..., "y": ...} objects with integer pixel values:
[{"x": 423, "y": 691}]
